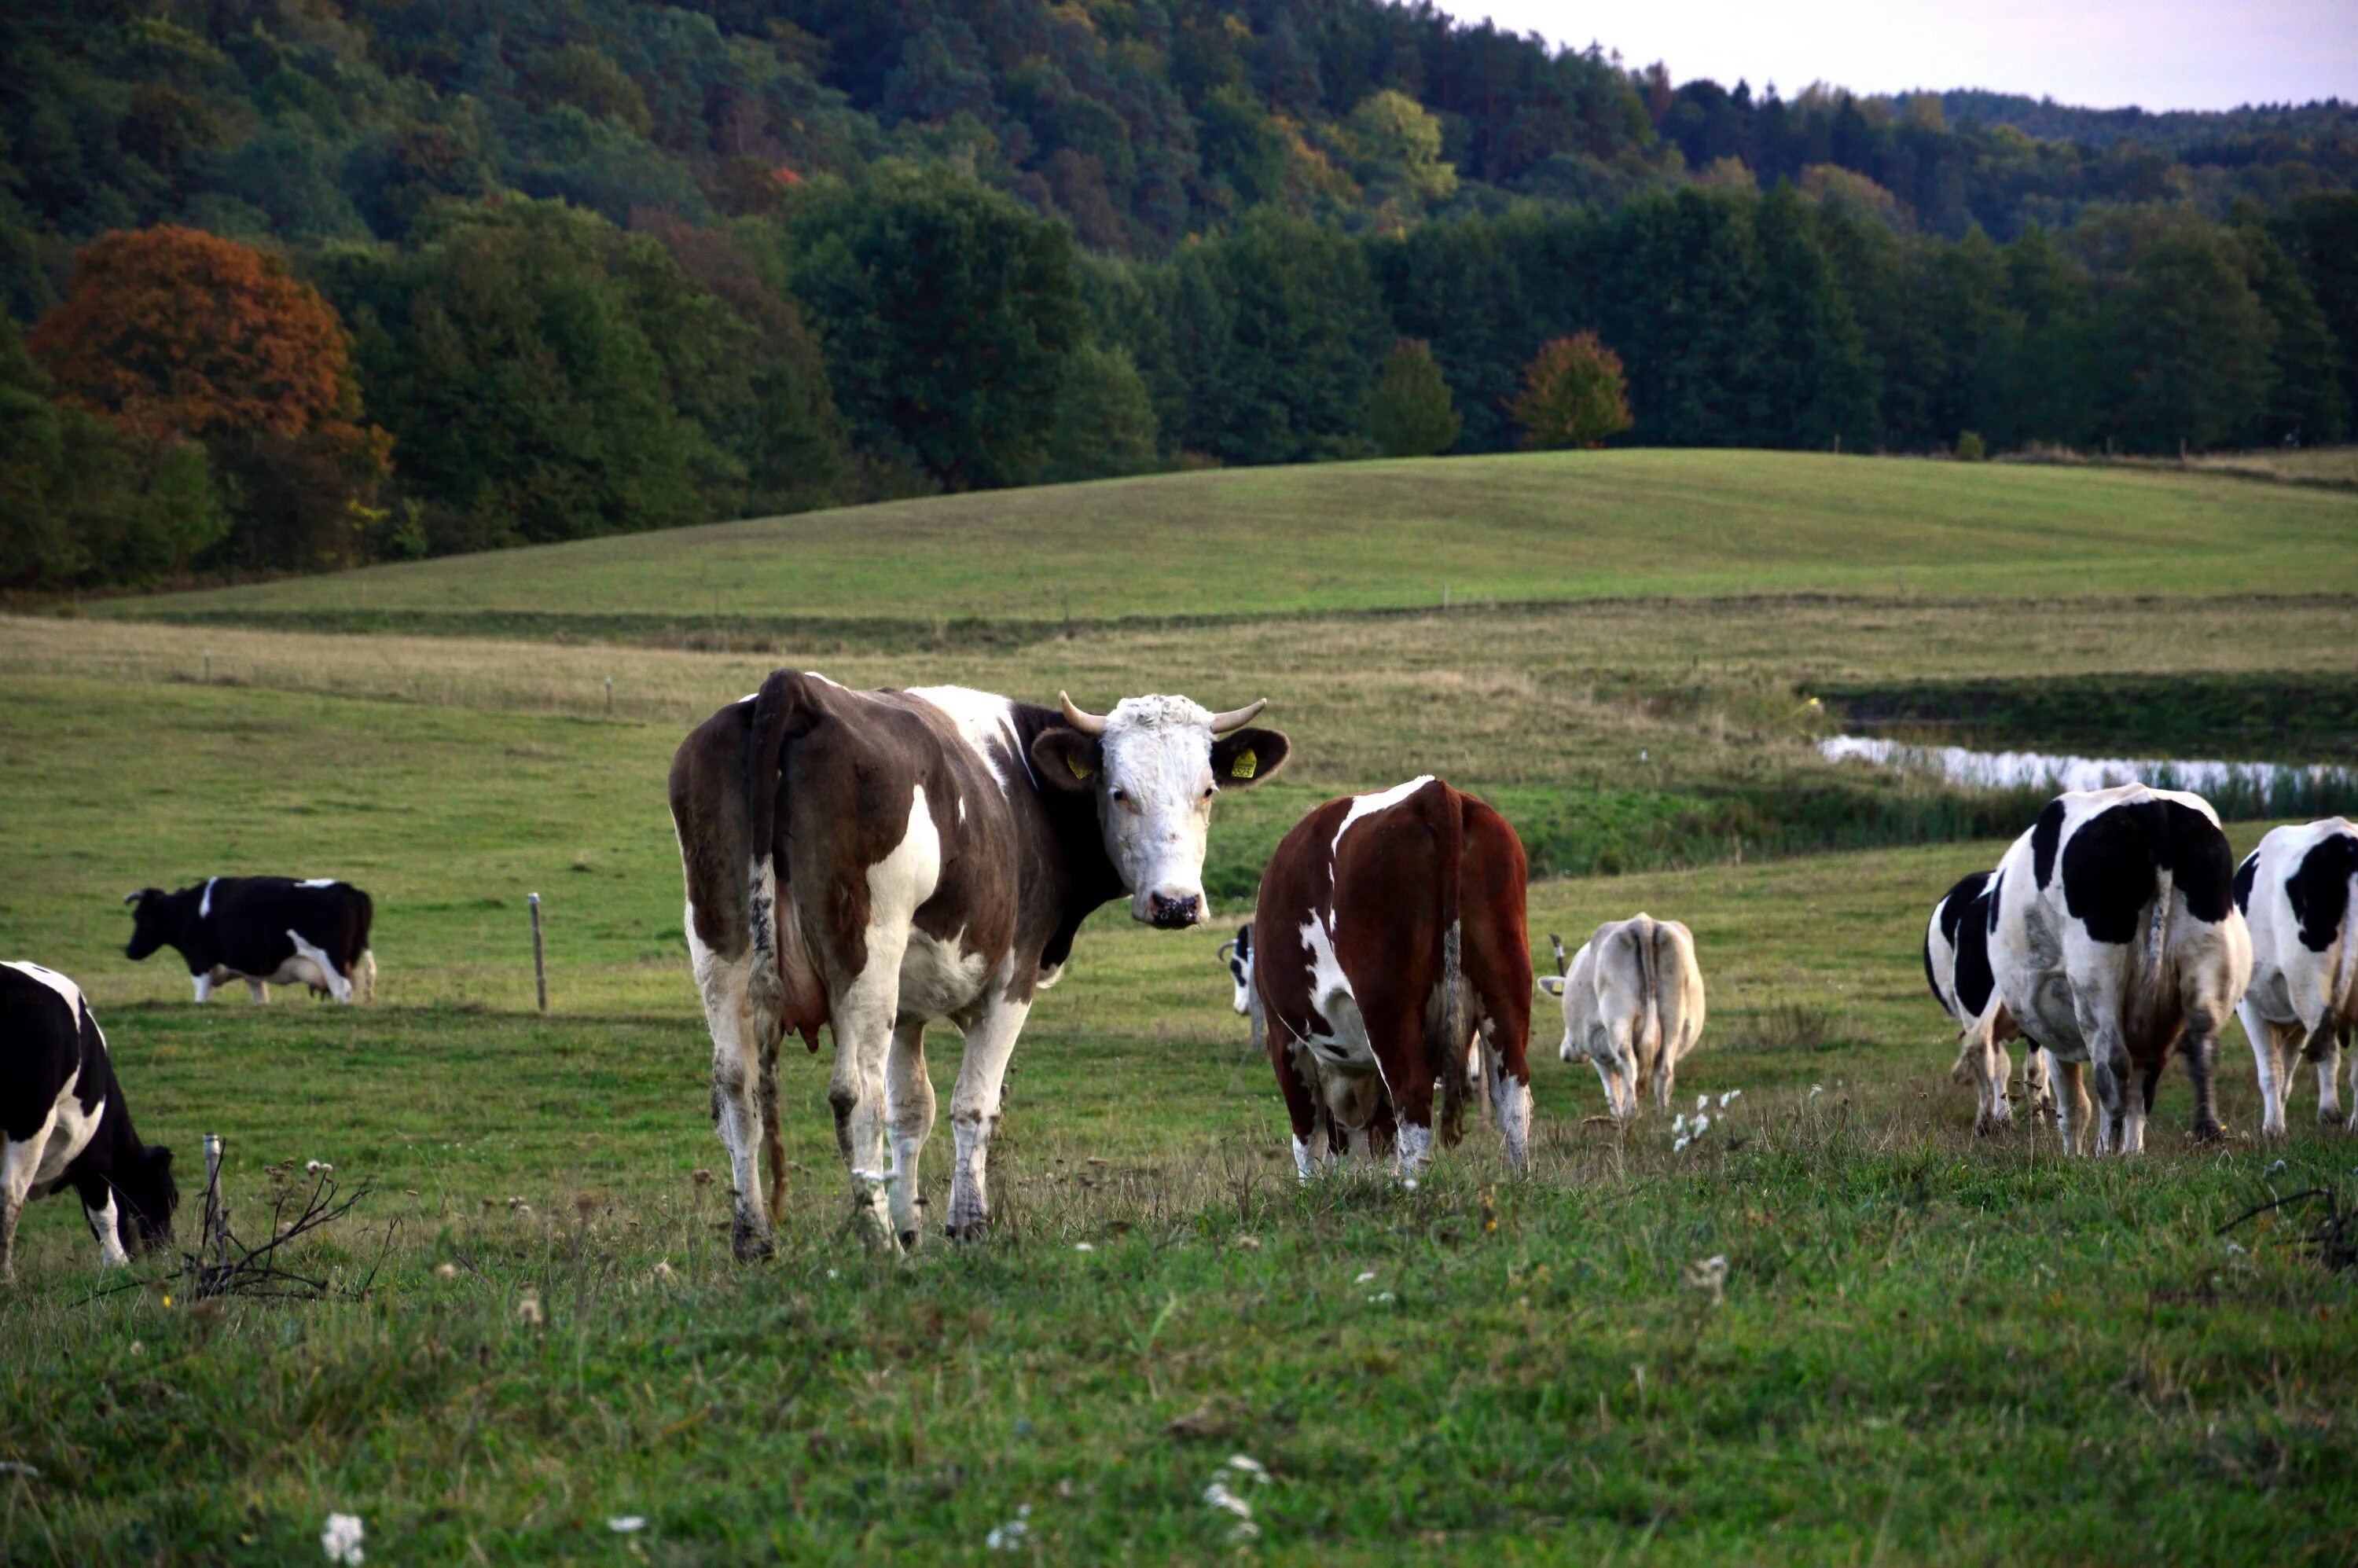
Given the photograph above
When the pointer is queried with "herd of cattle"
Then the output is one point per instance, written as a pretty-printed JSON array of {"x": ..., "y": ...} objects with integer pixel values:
[{"x": 874, "y": 861}]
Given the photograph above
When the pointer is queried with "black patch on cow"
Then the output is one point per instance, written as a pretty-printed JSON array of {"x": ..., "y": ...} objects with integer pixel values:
[
  {"x": 2111, "y": 863},
  {"x": 1996, "y": 893},
  {"x": 1974, "y": 978},
  {"x": 2320, "y": 890},
  {"x": 2044, "y": 835},
  {"x": 2243, "y": 875},
  {"x": 1949, "y": 910}
]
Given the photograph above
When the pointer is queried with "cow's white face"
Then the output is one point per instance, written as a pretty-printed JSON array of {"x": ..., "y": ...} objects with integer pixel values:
[
  {"x": 1152, "y": 772},
  {"x": 1155, "y": 806}
]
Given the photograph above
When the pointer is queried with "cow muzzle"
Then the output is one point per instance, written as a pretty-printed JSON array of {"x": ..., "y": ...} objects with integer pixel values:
[{"x": 1166, "y": 910}]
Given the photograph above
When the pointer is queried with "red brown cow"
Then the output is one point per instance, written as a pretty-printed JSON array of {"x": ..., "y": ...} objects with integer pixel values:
[{"x": 1389, "y": 930}]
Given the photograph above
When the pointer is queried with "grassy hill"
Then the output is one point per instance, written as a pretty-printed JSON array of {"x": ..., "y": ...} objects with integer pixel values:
[{"x": 1242, "y": 543}]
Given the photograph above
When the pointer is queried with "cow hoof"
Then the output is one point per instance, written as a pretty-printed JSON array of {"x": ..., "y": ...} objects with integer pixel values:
[
  {"x": 2209, "y": 1131},
  {"x": 750, "y": 1243},
  {"x": 971, "y": 1232}
]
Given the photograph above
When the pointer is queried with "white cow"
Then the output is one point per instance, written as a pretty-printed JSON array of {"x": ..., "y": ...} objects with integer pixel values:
[
  {"x": 1632, "y": 1006},
  {"x": 2117, "y": 939},
  {"x": 2297, "y": 891}
]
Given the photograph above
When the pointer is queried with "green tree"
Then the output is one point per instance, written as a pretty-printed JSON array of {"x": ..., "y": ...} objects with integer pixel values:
[
  {"x": 1396, "y": 146},
  {"x": 1574, "y": 396},
  {"x": 2306, "y": 403},
  {"x": 948, "y": 312},
  {"x": 1409, "y": 413},
  {"x": 1814, "y": 384},
  {"x": 1105, "y": 421},
  {"x": 545, "y": 375},
  {"x": 2321, "y": 234},
  {"x": 2186, "y": 345}
]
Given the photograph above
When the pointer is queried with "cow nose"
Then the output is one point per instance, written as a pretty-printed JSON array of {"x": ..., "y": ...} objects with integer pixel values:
[{"x": 1170, "y": 912}]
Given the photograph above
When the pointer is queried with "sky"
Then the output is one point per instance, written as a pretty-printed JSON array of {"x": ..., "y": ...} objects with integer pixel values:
[{"x": 2105, "y": 54}]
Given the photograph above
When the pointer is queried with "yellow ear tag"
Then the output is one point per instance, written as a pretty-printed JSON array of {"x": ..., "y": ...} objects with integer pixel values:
[
  {"x": 1081, "y": 770},
  {"x": 1242, "y": 768}
]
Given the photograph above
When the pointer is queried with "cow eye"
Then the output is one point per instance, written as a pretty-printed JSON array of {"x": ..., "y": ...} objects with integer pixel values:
[
  {"x": 1211, "y": 790},
  {"x": 1118, "y": 794}
]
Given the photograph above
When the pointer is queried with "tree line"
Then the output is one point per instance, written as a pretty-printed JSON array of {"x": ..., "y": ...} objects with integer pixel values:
[{"x": 291, "y": 287}]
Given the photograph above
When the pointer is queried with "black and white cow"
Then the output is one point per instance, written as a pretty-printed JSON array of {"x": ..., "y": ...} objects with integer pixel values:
[
  {"x": 1237, "y": 953},
  {"x": 2298, "y": 891},
  {"x": 2115, "y": 938},
  {"x": 1957, "y": 967},
  {"x": 63, "y": 1122},
  {"x": 875, "y": 861},
  {"x": 265, "y": 931}
]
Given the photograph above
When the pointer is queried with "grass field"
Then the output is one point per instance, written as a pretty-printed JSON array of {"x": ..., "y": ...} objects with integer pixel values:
[
  {"x": 1930, "y": 1347},
  {"x": 1535, "y": 526}
]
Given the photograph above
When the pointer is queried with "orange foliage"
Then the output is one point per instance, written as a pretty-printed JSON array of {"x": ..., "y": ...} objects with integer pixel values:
[{"x": 175, "y": 329}]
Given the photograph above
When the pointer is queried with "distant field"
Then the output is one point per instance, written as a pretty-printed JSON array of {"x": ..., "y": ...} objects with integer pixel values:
[{"x": 1361, "y": 536}]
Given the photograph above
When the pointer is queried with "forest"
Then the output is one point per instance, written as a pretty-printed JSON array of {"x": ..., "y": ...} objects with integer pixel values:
[{"x": 290, "y": 284}]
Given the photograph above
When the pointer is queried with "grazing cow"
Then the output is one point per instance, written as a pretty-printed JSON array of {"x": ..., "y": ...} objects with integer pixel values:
[
  {"x": 1957, "y": 967},
  {"x": 1392, "y": 931},
  {"x": 1237, "y": 953},
  {"x": 2298, "y": 891},
  {"x": 63, "y": 1122},
  {"x": 874, "y": 860},
  {"x": 2115, "y": 938},
  {"x": 265, "y": 931},
  {"x": 1632, "y": 1006}
]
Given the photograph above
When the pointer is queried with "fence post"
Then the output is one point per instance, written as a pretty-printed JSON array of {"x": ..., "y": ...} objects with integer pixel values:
[
  {"x": 609, "y": 697},
  {"x": 215, "y": 1215},
  {"x": 540, "y": 957}
]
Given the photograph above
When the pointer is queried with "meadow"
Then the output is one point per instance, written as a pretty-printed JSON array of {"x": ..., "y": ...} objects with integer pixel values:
[{"x": 1928, "y": 1347}]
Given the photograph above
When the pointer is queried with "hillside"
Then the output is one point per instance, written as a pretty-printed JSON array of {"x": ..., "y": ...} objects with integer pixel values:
[{"x": 1252, "y": 542}]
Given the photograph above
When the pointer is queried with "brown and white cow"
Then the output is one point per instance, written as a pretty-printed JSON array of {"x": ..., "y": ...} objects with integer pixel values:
[
  {"x": 1389, "y": 930},
  {"x": 875, "y": 861}
]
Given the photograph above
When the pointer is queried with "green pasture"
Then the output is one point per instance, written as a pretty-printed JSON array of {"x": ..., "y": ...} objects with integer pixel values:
[
  {"x": 1930, "y": 1347},
  {"x": 1534, "y": 527}
]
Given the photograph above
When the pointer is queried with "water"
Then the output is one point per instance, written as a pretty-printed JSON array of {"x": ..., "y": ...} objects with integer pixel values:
[{"x": 2259, "y": 782}]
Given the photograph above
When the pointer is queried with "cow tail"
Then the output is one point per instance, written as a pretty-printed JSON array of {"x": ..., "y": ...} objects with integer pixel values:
[
  {"x": 2342, "y": 998},
  {"x": 2157, "y": 942},
  {"x": 1452, "y": 844},
  {"x": 773, "y": 710},
  {"x": 1649, "y": 993}
]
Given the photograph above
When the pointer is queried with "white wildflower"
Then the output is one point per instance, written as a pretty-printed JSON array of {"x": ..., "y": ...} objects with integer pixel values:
[
  {"x": 33, "y": 1473},
  {"x": 1246, "y": 1465},
  {"x": 664, "y": 1271},
  {"x": 1009, "y": 1537},
  {"x": 1364, "y": 1277},
  {"x": 1730, "y": 1095},
  {"x": 1702, "y": 1125},
  {"x": 1679, "y": 1122},
  {"x": 1084, "y": 1246},
  {"x": 445, "y": 1271},
  {"x": 1216, "y": 1495},
  {"x": 1681, "y": 1146},
  {"x": 317, "y": 1168},
  {"x": 1703, "y": 1102},
  {"x": 1815, "y": 1090},
  {"x": 341, "y": 1540},
  {"x": 832, "y": 1275},
  {"x": 2234, "y": 1250},
  {"x": 1708, "y": 1275},
  {"x": 1408, "y": 1183},
  {"x": 627, "y": 1524},
  {"x": 1381, "y": 1296}
]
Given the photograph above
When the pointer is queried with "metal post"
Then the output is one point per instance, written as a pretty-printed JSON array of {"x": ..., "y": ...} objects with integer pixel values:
[{"x": 540, "y": 957}]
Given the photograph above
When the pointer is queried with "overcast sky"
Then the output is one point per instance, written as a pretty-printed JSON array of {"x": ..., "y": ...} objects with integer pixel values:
[{"x": 2159, "y": 54}]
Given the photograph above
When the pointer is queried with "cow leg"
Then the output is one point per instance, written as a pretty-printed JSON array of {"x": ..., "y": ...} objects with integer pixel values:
[
  {"x": 2202, "y": 1047},
  {"x": 2037, "y": 1086},
  {"x": 1313, "y": 1150},
  {"x": 2323, "y": 1048},
  {"x": 105, "y": 1227},
  {"x": 1608, "y": 1073},
  {"x": 257, "y": 991},
  {"x": 2072, "y": 1110},
  {"x": 2265, "y": 1060},
  {"x": 909, "y": 1098},
  {"x": 364, "y": 977},
  {"x": 18, "y": 1160},
  {"x": 863, "y": 1039},
  {"x": 204, "y": 984},
  {"x": 736, "y": 1079},
  {"x": 974, "y": 1110}
]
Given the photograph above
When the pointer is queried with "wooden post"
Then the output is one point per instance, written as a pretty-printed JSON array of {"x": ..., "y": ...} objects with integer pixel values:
[
  {"x": 539, "y": 956},
  {"x": 209, "y": 666},
  {"x": 215, "y": 1214},
  {"x": 609, "y": 697}
]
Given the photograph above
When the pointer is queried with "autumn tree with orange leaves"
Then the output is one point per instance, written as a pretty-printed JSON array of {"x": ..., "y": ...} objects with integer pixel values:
[{"x": 176, "y": 334}]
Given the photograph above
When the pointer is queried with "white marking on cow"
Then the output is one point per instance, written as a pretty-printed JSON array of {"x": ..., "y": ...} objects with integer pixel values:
[
  {"x": 57, "y": 982},
  {"x": 317, "y": 883},
  {"x": 937, "y": 977},
  {"x": 1346, "y": 1042},
  {"x": 315, "y": 959},
  {"x": 204, "y": 984},
  {"x": 205, "y": 905},
  {"x": 986, "y": 722},
  {"x": 1368, "y": 804},
  {"x": 1303, "y": 1165},
  {"x": 1415, "y": 1147},
  {"x": 105, "y": 1223}
]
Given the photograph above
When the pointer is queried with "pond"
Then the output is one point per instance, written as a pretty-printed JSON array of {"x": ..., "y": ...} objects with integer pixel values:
[{"x": 2265, "y": 781}]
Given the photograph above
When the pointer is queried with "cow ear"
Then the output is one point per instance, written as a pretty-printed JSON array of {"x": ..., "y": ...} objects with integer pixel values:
[
  {"x": 1249, "y": 757},
  {"x": 1067, "y": 760}
]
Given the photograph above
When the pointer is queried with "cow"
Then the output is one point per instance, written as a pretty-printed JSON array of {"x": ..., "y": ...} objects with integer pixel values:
[
  {"x": 1632, "y": 1006},
  {"x": 875, "y": 861},
  {"x": 63, "y": 1121},
  {"x": 265, "y": 931},
  {"x": 2114, "y": 938},
  {"x": 2298, "y": 892},
  {"x": 1957, "y": 967},
  {"x": 1237, "y": 954},
  {"x": 1391, "y": 932}
]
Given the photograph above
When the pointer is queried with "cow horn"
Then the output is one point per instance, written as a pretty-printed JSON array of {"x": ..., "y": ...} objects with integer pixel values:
[
  {"x": 1237, "y": 718},
  {"x": 132, "y": 897},
  {"x": 1225, "y": 948},
  {"x": 1081, "y": 719}
]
